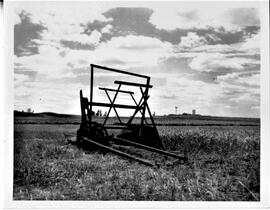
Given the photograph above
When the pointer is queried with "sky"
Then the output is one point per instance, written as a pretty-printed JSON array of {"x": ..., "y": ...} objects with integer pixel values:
[{"x": 199, "y": 55}]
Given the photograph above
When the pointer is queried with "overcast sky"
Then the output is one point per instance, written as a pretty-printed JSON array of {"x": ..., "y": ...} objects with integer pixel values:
[{"x": 203, "y": 56}]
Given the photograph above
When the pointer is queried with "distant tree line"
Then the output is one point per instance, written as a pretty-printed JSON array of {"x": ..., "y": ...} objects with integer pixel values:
[
  {"x": 99, "y": 113},
  {"x": 29, "y": 110}
]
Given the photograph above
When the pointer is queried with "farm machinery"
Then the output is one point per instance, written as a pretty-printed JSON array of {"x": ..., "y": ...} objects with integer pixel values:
[{"x": 143, "y": 134}]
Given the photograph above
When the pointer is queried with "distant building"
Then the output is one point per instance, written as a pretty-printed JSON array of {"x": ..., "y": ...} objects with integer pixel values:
[{"x": 193, "y": 111}]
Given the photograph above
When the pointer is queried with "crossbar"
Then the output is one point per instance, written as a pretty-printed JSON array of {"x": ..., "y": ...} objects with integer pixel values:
[
  {"x": 114, "y": 105},
  {"x": 119, "y": 71},
  {"x": 115, "y": 90},
  {"x": 132, "y": 84}
]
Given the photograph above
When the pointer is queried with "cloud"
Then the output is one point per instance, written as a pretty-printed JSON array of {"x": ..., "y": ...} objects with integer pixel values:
[
  {"x": 81, "y": 41},
  {"x": 188, "y": 16},
  {"x": 107, "y": 29},
  {"x": 138, "y": 21},
  {"x": 49, "y": 62},
  {"x": 127, "y": 51},
  {"x": 25, "y": 35},
  {"x": 243, "y": 16},
  {"x": 192, "y": 40},
  {"x": 199, "y": 60},
  {"x": 216, "y": 61},
  {"x": 246, "y": 79},
  {"x": 75, "y": 45},
  {"x": 132, "y": 42},
  {"x": 252, "y": 44},
  {"x": 63, "y": 27}
]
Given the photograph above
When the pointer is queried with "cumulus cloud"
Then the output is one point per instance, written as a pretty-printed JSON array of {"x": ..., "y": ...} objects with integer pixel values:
[
  {"x": 222, "y": 15},
  {"x": 252, "y": 44},
  {"x": 192, "y": 40},
  {"x": 242, "y": 79},
  {"x": 137, "y": 21},
  {"x": 25, "y": 35},
  {"x": 83, "y": 38},
  {"x": 107, "y": 29},
  {"x": 48, "y": 62},
  {"x": 215, "y": 61},
  {"x": 81, "y": 41},
  {"x": 128, "y": 51}
]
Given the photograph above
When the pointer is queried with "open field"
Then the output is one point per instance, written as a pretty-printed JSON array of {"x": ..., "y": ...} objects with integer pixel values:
[
  {"x": 181, "y": 120},
  {"x": 224, "y": 165}
]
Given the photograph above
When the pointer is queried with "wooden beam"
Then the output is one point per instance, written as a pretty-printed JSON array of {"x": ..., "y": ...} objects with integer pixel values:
[{"x": 132, "y": 84}]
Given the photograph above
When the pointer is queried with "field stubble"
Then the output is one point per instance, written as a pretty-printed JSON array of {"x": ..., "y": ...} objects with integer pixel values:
[{"x": 224, "y": 165}]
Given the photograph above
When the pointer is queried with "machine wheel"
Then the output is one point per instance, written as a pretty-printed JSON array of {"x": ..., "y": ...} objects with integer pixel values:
[{"x": 98, "y": 131}]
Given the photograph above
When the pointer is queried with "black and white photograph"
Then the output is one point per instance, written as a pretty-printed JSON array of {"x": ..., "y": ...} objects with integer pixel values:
[{"x": 138, "y": 101}]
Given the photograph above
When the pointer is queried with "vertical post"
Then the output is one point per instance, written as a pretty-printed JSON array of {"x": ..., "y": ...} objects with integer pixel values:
[
  {"x": 144, "y": 103},
  {"x": 91, "y": 92},
  {"x": 83, "y": 118}
]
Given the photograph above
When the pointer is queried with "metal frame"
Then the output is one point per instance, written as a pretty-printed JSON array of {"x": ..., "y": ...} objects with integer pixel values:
[
  {"x": 96, "y": 134},
  {"x": 141, "y": 107}
]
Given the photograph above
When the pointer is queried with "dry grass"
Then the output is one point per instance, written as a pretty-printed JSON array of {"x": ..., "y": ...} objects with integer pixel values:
[{"x": 224, "y": 165}]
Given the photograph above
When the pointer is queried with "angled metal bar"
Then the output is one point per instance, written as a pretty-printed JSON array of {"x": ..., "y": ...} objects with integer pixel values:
[
  {"x": 163, "y": 152},
  {"x": 152, "y": 120},
  {"x": 145, "y": 97},
  {"x": 120, "y": 71},
  {"x": 149, "y": 112},
  {"x": 137, "y": 105},
  {"x": 133, "y": 84},
  {"x": 135, "y": 112},
  {"x": 110, "y": 149},
  {"x": 113, "y": 107},
  {"x": 112, "y": 103},
  {"x": 114, "y": 90}
]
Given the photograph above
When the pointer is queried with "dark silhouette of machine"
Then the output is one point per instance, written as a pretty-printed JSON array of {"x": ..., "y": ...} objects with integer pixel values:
[{"x": 143, "y": 135}]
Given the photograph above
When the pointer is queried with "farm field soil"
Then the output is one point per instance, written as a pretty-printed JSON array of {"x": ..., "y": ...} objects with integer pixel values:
[{"x": 224, "y": 165}]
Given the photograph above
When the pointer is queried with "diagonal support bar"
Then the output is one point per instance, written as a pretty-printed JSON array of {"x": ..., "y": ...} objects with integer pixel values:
[
  {"x": 113, "y": 107},
  {"x": 137, "y": 106},
  {"x": 112, "y": 103},
  {"x": 140, "y": 106}
]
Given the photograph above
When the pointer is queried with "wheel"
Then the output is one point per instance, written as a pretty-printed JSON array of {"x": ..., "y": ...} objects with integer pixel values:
[{"x": 96, "y": 130}]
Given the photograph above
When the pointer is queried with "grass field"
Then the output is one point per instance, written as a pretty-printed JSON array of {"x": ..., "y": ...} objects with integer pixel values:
[{"x": 224, "y": 165}]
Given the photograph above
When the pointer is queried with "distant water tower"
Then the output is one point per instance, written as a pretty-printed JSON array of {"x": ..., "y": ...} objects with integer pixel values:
[
  {"x": 176, "y": 109},
  {"x": 193, "y": 111}
]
